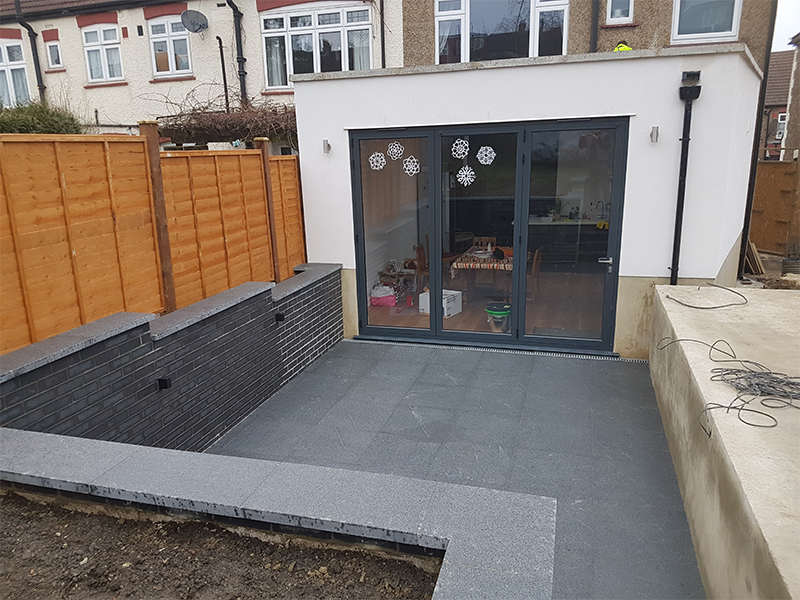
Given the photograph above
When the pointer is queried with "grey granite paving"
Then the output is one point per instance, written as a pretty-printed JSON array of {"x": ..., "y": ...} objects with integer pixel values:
[
  {"x": 491, "y": 538},
  {"x": 585, "y": 432}
]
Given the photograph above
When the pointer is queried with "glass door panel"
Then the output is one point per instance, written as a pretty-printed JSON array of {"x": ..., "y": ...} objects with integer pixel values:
[
  {"x": 568, "y": 226},
  {"x": 394, "y": 191},
  {"x": 479, "y": 182}
]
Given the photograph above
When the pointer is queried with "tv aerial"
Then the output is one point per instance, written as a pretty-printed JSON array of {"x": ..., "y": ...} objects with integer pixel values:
[{"x": 194, "y": 21}]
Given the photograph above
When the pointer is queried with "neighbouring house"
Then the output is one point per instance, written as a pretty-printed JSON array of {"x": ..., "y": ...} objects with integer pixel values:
[
  {"x": 776, "y": 103},
  {"x": 510, "y": 187},
  {"x": 116, "y": 63}
]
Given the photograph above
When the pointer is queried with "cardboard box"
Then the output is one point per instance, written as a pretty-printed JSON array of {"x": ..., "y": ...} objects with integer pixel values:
[{"x": 451, "y": 303}]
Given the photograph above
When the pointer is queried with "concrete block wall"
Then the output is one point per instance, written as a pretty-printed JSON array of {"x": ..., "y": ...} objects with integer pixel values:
[{"x": 221, "y": 358}]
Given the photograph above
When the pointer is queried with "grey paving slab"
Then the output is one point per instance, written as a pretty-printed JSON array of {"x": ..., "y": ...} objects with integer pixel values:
[
  {"x": 470, "y": 583},
  {"x": 584, "y": 431},
  {"x": 184, "y": 480},
  {"x": 75, "y": 461}
]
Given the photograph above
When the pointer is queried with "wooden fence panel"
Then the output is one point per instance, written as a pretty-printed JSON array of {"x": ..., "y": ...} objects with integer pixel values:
[
  {"x": 285, "y": 175},
  {"x": 772, "y": 205},
  {"x": 254, "y": 189},
  {"x": 77, "y": 234},
  {"x": 78, "y": 237},
  {"x": 218, "y": 221}
]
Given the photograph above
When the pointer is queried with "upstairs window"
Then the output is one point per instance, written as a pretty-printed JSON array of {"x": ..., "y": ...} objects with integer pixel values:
[
  {"x": 169, "y": 42},
  {"x": 619, "y": 12},
  {"x": 698, "y": 21},
  {"x": 54, "y": 55},
  {"x": 476, "y": 30},
  {"x": 103, "y": 57},
  {"x": 13, "y": 75},
  {"x": 323, "y": 40}
]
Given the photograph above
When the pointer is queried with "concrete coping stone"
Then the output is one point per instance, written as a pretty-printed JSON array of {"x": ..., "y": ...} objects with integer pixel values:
[
  {"x": 51, "y": 349},
  {"x": 194, "y": 313},
  {"x": 496, "y": 543},
  {"x": 708, "y": 49},
  {"x": 307, "y": 274}
]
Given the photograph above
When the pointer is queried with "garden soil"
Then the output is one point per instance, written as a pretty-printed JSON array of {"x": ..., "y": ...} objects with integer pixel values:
[{"x": 51, "y": 547}]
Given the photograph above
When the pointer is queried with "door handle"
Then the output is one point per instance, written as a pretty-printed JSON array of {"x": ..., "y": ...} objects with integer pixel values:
[{"x": 606, "y": 261}]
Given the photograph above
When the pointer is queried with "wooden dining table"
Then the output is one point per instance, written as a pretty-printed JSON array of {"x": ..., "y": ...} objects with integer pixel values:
[{"x": 477, "y": 259}]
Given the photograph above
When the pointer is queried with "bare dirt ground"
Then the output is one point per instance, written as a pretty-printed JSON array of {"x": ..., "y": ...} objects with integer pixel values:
[{"x": 51, "y": 548}]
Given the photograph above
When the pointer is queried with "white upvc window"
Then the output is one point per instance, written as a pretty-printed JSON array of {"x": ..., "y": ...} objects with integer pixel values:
[
  {"x": 13, "y": 74},
  {"x": 476, "y": 30},
  {"x": 325, "y": 38},
  {"x": 103, "y": 56},
  {"x": 54, "y": 55},
  {"x": 451, "y": 31},
  {"x": 619, "y": 12},
  {"x": 169, "y": 45},
  {"x": 703, "y": 21}
]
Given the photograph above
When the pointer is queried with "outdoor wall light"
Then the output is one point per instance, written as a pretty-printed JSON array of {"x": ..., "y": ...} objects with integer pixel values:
[
  {"x": 326, "y": 147},
  {"x": 654, "y": 134},
  {"x": 164, "y": 383}
]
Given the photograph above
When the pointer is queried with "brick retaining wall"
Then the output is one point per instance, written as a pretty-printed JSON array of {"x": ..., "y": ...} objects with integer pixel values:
[{"x": 220, "y": 357}]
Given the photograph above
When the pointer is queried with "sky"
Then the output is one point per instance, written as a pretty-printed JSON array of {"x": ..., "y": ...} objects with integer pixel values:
[{"x": 787, "y": 24}]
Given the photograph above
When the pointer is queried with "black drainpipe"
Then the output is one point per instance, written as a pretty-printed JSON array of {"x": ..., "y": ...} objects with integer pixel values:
[
  {"x": 595, "y": 24},
  {"x": 240, "y": 59},
  {"x": 751, "y": 182},
  {"x": 34, "y": 50},
  {"x": 688, "y": 92},
  {"x": 383, "y": 39},
  {"x": 224, "y": 75}
]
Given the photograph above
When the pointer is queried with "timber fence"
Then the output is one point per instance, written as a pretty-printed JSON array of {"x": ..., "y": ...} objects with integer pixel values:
[
  {"x": 773, "y": 204},
  {"x": 95, "y": 225}
]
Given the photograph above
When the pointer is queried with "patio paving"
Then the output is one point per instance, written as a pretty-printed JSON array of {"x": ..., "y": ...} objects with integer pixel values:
[{"x": 584, "y": 431}]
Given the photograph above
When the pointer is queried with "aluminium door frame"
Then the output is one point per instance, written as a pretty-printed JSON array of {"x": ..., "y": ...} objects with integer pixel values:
[{"x": 518, "y": 339}]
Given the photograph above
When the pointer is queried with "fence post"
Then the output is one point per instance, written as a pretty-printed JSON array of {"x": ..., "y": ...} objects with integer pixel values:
[
  {"x": 149, "y": 129},
  {"x": 262, "y": 143}
]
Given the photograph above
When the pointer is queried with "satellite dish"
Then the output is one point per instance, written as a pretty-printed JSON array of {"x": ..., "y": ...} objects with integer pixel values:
[{"x": 194, "y": 21}]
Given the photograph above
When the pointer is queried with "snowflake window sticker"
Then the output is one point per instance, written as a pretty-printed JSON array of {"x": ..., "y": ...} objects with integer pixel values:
[
  {"x": 486, "y": 155},
  {"x": 460, "y": 148},
  {"x": 465, "y": 176},
  {"x": 411, "y": 166},
  {"x": 395, "y": 150},
  {"x": 377, "y": 161}
]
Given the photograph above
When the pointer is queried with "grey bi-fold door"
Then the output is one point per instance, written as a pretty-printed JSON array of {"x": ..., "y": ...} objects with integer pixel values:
[{"x": 500, "y": 235}]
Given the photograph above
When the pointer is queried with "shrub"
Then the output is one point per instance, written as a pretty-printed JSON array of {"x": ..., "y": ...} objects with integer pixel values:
[{"x": 38, "y": 118}]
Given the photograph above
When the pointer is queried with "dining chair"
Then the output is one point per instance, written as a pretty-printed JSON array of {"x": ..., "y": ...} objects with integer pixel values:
[
  {"x": 532, "y": 280},
  {"x": 422, "y": 267}
]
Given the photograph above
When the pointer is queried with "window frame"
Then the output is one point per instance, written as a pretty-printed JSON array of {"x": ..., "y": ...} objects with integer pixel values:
[
  {"x": 619, "y": 20},
  {"x": 705, "y": 38},
  {"x": 315, "y": 29},
  {"x": 453, "y": 15},
  {"x": 103, "y": 46},
  {"x": 542, "y": 6},
  {"x": 537, "y": 7},
  {"x": 6, "y": 68},
  {"x": 57, "y": 45},
  {"x": 169, "y": 37}
]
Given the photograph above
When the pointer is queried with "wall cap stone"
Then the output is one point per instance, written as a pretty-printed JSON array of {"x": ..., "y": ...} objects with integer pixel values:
[
  {"x": 306, "y": 275},
  {"x": 46, "y": 351},
  {"x": 194, "y": 313}
]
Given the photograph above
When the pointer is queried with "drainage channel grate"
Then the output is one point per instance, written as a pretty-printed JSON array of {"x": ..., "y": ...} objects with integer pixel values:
[{"x": 505, "y": 351}]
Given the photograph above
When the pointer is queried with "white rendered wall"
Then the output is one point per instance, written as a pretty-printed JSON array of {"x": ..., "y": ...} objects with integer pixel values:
[{"x": 642, "y": 84}]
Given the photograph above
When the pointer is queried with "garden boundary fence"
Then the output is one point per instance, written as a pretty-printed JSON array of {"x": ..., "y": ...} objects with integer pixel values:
[{"x": 92, "y": 225}]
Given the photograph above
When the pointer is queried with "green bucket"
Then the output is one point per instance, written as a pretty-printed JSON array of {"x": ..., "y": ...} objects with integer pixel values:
[{"x": 498, "y": 314}]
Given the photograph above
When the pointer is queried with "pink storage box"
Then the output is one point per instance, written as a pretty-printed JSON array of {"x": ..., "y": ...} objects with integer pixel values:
[{"x": 383, "y": 301}]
